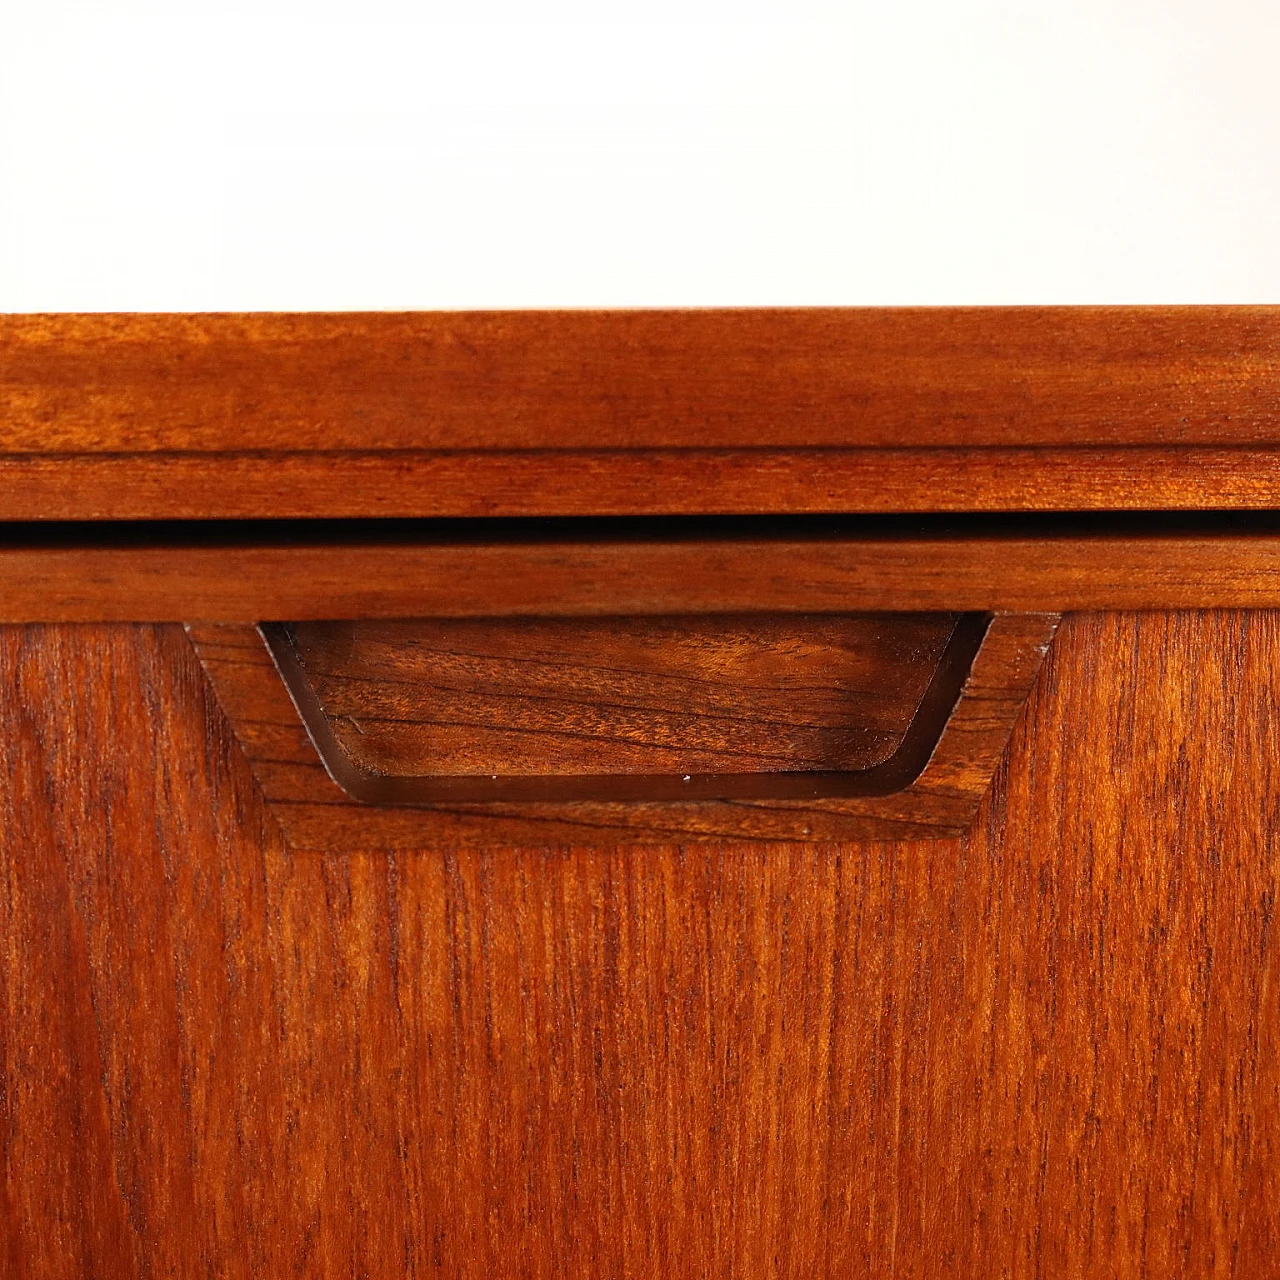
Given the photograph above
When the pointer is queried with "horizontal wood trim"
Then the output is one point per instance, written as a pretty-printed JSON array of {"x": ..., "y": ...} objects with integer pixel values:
[
  {"x": 992, "y": 572},
  {"x": 632, "y": 412},
  {"x": 641, "y": 379},
  {"x": 639, "y": 482}
]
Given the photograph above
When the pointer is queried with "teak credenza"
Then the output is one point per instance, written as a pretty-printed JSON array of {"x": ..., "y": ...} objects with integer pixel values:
[{"x": 746, "y": 793}]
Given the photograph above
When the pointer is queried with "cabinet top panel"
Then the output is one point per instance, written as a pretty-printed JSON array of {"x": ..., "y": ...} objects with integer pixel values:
[{"x": 638, "y": 412}]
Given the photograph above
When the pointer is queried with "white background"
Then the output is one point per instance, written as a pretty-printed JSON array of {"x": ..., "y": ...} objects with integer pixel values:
[{"x": 287, "y": 155}]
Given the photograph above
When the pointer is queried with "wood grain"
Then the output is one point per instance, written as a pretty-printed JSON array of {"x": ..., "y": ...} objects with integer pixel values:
[
  {"x": 883, "y": 377},
  {"x": 300, "y": 576},
  {"x": 633, "y": 482},
  {"x": 745, "y": 411},
  {"x": 1048, "y": 1051},
  {"x": 747, "y": 694},
  {"x": 930, "y": 785}
]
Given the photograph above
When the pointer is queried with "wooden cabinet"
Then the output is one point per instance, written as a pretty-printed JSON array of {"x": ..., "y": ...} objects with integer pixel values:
[{"x": 288, "y": 988}]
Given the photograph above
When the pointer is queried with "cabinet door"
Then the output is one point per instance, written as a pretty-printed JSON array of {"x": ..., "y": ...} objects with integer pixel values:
[{"x": 1050, "y": 1048}]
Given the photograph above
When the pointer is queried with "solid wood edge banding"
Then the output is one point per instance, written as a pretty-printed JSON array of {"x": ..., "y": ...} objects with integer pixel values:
[
  {"x": 636, "y": 482},
  {"x": 786, "y": 377},
  {"x": 316, "y": 814},
  {"x": 246, "y": 583},
  {"x": 631, "y": 412}
]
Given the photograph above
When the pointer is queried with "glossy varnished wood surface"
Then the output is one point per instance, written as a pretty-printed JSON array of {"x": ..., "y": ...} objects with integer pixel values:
[
  {"x": 638, "y": 412},
  {"x": 1049, "y": 1051},
  {"x": 880, "y": 377}
]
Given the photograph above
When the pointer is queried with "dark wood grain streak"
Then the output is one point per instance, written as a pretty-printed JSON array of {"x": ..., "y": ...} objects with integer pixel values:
[
  {"x": 1049, "y": 1051},
  {"x": 687, "y": 481},
  {"x": 979, "y": 573},
  {"x": 935, "y": 778}
]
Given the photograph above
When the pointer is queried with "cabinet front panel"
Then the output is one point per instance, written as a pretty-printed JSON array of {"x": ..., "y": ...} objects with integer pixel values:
[{"x": 1048, "y": 1049}]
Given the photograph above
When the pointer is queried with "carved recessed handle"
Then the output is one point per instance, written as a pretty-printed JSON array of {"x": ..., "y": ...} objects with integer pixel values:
[
  {"x": 396, "y": 733},
  {"x": 676, "y": 708}
]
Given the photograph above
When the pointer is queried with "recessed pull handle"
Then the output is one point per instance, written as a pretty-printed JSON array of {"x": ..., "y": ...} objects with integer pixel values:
[
  {"x": 681, "y": 708},
  {"x": 396, "y": 733}
]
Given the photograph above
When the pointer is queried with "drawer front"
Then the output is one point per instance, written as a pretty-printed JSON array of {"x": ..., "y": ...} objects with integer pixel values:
[{"x": 1049, "y": 1048}]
